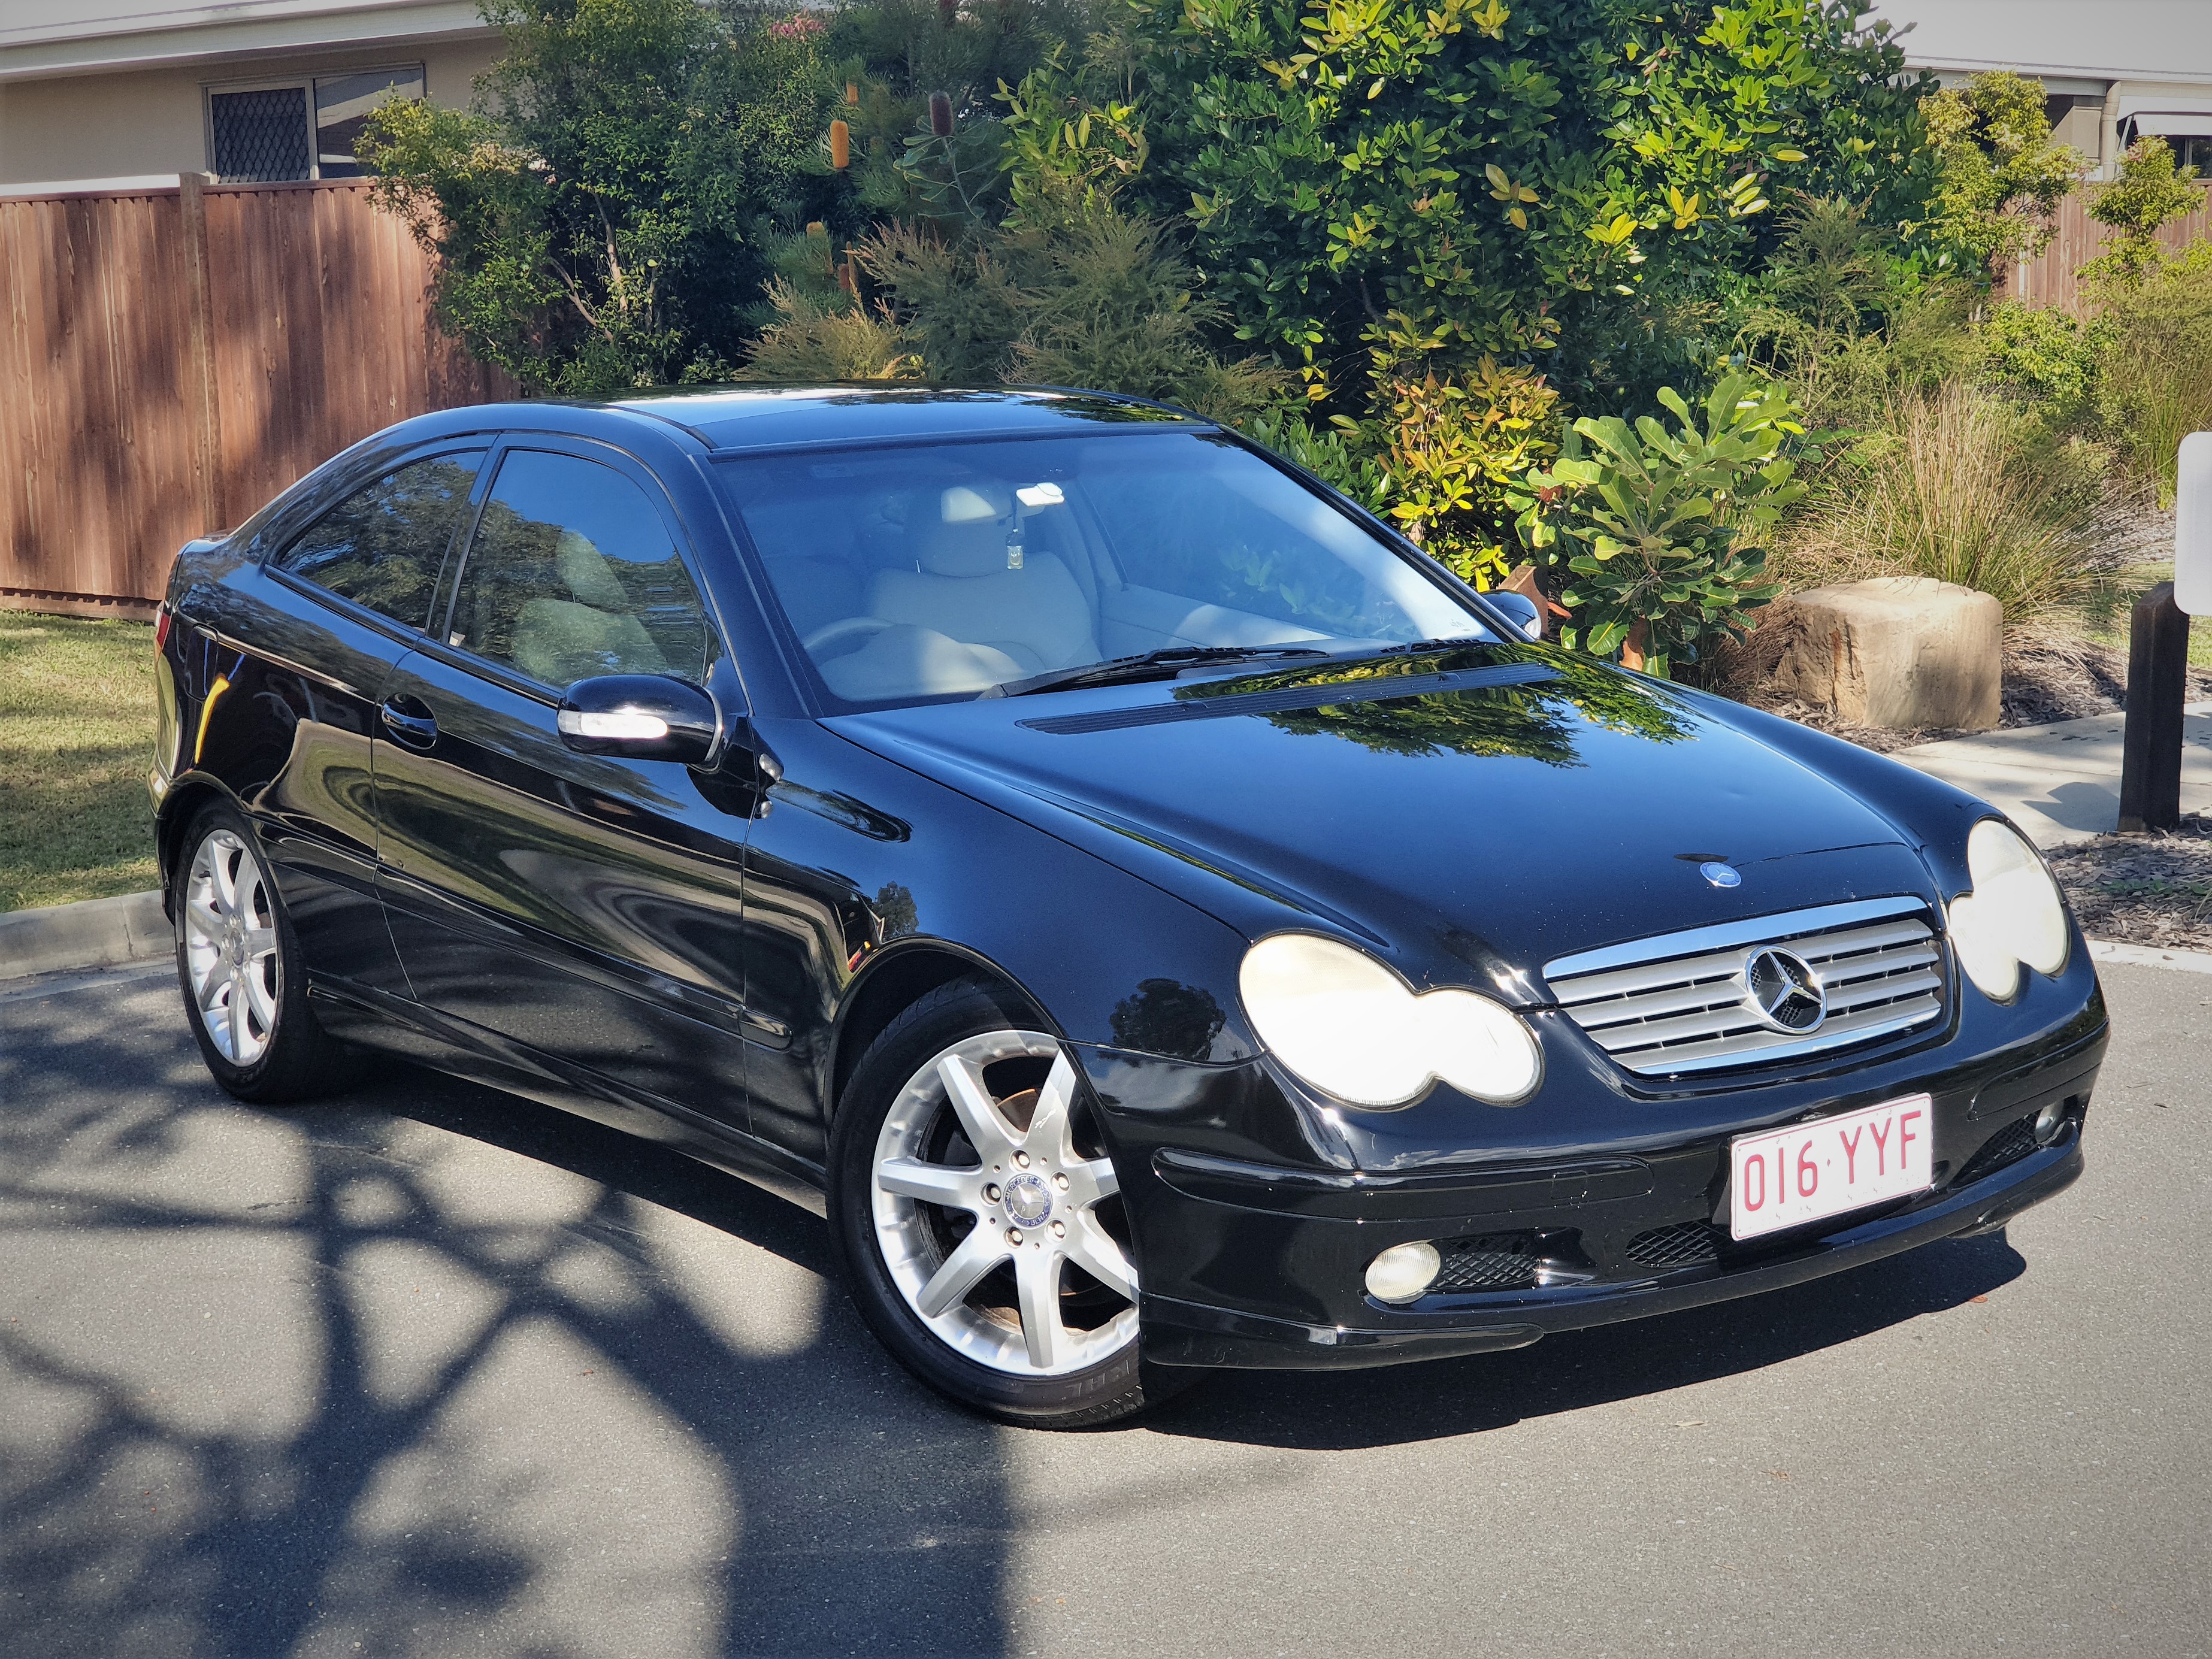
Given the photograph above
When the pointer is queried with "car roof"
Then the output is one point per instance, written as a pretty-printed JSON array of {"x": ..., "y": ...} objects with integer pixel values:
[{"x": 767, "y": 417}]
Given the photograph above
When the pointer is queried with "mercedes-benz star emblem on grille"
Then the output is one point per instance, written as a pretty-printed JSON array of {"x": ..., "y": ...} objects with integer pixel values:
[{"x": 1786, "y": 991}]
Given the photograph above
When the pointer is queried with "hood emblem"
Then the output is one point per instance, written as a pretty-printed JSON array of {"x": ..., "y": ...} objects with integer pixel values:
[
  {"x": 1785, "y": 991},
  {"x": 1721, "y": 875}
]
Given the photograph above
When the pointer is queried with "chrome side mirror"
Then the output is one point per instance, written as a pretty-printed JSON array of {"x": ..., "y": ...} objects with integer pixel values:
[{"x": 642, "y": 717}]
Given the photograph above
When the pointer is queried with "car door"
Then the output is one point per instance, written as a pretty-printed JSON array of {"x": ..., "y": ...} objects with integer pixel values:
[
  {"x": 584, "y": 908},
  {"x": 339, "y": 603}
]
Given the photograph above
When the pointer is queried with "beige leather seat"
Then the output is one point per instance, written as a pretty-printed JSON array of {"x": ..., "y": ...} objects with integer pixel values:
[
  {"x": 1034, "y": 614},
  {"x": 557, "y": 641}
]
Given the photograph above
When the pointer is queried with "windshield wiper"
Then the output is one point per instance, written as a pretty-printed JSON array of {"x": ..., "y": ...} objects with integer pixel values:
[{"x": 1145, "y": 665}]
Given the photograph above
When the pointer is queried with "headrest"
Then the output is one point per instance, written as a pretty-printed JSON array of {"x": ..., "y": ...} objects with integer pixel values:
[
  {"x": 587, "y": 572},
  {"x": 967, "y": 534}
]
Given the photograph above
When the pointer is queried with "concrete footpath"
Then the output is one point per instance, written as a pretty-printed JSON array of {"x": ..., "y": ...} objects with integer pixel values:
[{"x": 2061, "y": 783}]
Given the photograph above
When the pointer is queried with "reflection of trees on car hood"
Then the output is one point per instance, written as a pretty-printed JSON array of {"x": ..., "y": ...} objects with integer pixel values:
[{"x": 1539, "y": 721}]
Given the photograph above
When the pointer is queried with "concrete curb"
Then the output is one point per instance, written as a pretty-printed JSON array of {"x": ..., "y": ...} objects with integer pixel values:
[
  {"x": 95, "y": 934},
  {"x": 2151, "y": 956}
]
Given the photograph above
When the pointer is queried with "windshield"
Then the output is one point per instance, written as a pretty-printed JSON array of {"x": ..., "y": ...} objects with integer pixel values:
[{"x": 949, "y": 569}]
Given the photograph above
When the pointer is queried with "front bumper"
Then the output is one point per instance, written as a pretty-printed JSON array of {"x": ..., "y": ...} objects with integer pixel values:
[{"x": 1253, "y": 1263}]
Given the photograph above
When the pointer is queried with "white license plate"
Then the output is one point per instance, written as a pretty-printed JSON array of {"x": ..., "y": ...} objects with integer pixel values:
[{"x": 1782, "y": 1178}]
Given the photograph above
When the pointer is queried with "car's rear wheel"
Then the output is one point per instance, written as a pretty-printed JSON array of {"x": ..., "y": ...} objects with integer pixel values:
[
  {"x": 979, "y": 1217},
  {"x": 238, "y": 962}
]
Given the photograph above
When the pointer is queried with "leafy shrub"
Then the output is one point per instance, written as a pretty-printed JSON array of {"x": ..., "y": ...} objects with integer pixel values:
[
  {"x": 1955, "y": 486},
  {"x": 1324, "y": 451},
  {"x": 1388, "y": 189},
  {"x": 1087, "y": 296},
  {"x": 1668, "y": 528},
  {"x": 2154, "y": 388},
  {"x": 1848, "y": 318},
  {"x": 1454, "y": 450},
  {"x": 604, "y": 221},
  {"x": 2044, "y": 357}
]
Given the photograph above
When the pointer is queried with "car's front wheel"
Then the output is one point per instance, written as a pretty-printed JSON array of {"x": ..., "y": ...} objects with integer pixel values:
[
  {"x": 238, "y": 961},
  {"x": 980, "y": 1220}
]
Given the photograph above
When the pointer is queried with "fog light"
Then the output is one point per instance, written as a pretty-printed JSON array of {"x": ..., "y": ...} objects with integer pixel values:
[
  {"x": 2051, "y": 1123},
  {"x": 1403, "y": 1272}
]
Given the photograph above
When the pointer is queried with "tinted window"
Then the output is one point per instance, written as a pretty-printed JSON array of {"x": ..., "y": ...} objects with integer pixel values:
[
  {"x": 382, "y": 546},
  {"x": 573, "y": 574}
]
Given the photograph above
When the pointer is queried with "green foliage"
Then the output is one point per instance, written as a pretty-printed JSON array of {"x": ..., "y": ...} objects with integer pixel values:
[
  {"x": 1388, "y": 189},
  {"x": 2046, "y": 359},
  {"x": 1847, "y": 318},
  {"x": 2002, "y": 177},
  {"x": 604, "y": 219},
  {"x": 1325, "y": 452},
  {"x": 1668, "y": 528},
  {"x": 1455, "y": 452},
  {"x": 1082, "y": 295},
  {"x": 2150, "y": 193},
  {"x": 2153, "y": 389}
]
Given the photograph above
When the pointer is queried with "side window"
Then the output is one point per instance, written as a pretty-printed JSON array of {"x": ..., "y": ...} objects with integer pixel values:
[
  {"x": 382, "y": 546},
  {"x": 573, "y": 574}
]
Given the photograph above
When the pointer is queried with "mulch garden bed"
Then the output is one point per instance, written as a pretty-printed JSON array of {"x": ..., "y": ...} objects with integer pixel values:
[{"x": 2153, "y": 890}]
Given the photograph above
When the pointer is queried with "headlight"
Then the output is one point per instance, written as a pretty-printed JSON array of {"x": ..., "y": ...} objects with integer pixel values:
[
  {"x": 2013, "y": 915},
  {"x": 1354, "y": 1029}
]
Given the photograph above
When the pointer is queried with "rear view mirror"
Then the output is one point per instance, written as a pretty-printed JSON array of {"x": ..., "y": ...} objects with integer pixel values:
[
  {"x": 642, "y": 717},
  {"x": 2192, "y": 525}
]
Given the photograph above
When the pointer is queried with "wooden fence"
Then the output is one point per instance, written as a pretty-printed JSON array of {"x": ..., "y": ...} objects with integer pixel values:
[
  {"x": 2048, "y": 278},
  {"x": 172, "y": 358}
]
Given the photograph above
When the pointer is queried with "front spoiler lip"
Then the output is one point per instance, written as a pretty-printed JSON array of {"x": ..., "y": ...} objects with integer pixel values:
[{"x": 1180, "y": 1332}]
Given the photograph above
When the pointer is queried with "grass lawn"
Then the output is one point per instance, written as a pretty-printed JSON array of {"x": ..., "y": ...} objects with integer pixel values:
[{"x": 76, "y": 738}]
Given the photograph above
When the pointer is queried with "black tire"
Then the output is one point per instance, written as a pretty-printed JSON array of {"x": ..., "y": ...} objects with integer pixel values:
[
  {"x": 1117, "y": 1386},
  {"x": 287, "y": 1056}
]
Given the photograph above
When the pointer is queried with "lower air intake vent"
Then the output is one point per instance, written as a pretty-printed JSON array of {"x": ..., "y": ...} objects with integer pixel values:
[
  {"x": 2008, "y": 1146},
  {"x": 1685, "y": 1244},
  {"x": 1762, "y": 989},
  {"x": 1497, "y": 1261}
]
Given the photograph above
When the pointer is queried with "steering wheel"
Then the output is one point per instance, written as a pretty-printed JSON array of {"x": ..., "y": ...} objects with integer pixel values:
[{"x": 844, "y": 627}]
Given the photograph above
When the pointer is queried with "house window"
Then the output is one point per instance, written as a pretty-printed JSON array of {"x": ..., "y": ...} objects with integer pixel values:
[{"x": 304, "y": 129}]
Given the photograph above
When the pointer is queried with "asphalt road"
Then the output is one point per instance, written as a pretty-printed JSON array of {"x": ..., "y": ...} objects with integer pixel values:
[{"x": 433, "y": 1372}]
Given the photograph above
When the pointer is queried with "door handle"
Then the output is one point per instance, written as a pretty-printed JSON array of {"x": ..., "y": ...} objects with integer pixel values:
[{"x": 409, "y": 722}]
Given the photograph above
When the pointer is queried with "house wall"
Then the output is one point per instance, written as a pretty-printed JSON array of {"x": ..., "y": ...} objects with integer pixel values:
[{"x": 149, "y": 123}]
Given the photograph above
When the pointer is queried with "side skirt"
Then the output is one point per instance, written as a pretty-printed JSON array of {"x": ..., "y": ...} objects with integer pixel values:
[{"x": 412, "y": 1031}]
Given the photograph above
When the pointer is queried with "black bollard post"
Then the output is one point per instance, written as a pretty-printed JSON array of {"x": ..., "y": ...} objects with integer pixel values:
[{"x": 2158, "y": 678}]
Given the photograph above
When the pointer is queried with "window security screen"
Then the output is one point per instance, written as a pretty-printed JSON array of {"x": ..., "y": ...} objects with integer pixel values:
[{"x": 260, "y": 137}]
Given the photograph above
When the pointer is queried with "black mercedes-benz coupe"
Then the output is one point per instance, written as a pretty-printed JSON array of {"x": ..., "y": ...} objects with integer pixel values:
[{"x": 1159, "y": 918}]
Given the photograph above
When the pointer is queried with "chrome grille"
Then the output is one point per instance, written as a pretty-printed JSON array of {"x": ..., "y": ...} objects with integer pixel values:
[{"x": 1679, "y": 1002}]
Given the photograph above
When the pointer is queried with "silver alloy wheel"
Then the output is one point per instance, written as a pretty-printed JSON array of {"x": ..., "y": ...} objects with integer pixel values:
[
  {"x": 1030, "y": 1201},
  {"x": 230, "y": 948}
]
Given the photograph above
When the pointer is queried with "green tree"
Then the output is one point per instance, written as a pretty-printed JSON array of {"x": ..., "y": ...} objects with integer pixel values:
[
  {"x": 2151, "y": 191},
  {"x": 606, "y": 216},
  {"x": 2000, "y": 177}
]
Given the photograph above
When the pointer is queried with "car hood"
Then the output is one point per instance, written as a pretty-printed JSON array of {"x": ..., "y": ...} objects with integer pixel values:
[{"x": 1498, "y": 806}]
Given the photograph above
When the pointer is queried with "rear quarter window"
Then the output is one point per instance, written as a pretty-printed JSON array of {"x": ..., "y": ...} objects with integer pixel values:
[{"x": 383, "y": 545}]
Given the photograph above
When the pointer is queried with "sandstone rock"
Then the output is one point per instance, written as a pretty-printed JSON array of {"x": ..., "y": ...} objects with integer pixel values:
[{"x": 1908, "y": 652}]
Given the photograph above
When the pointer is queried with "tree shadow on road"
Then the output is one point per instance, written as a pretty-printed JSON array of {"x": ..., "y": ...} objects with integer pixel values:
[{"x": 288, "y": 1383}]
